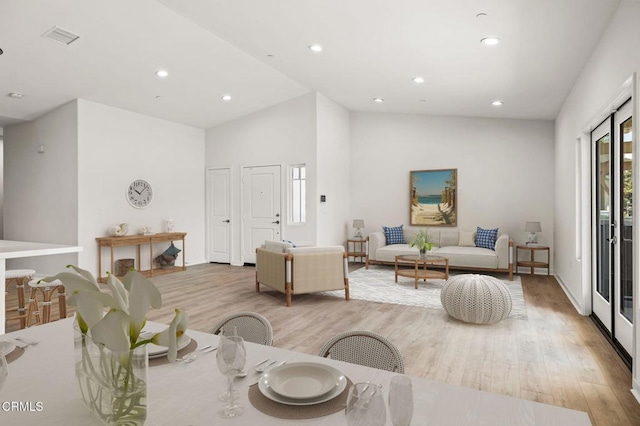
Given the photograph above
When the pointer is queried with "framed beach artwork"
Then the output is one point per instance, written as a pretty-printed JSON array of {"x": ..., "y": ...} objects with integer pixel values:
[{"x": 434, "y": 197}]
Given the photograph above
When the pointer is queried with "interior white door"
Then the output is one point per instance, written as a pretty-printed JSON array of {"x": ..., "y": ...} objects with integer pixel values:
[
  {"x": 260, "y": 208},
  {"x": 219, "y": 215}
]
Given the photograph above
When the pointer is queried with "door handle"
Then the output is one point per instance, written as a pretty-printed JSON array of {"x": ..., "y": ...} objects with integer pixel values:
[
  {"x": 276, "y": 222},
  {"x": 612, "y": 240},
  {"x": 226, "y": 221}
]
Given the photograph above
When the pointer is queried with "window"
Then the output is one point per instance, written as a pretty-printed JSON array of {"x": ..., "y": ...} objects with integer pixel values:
[{"x": 298, "y": 188}]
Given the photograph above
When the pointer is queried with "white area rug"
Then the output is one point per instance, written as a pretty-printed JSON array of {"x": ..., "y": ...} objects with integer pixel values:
[{"x": 377, "y": 285}]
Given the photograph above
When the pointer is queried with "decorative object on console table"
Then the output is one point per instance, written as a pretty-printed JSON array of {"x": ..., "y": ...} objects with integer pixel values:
[
  {"x": 120, "y": 230},
  {"x": 433, "y": 197},
  {"x": 532, "y": 228},
  {"x": 170, "y": 224},
  {"x": 358, "y": 224},
  {"x": 139, "y": 241},
  {"x": 532, "y": 262}
]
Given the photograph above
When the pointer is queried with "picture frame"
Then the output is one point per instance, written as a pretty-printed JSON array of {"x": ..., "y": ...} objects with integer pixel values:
[{"x": 433, "y": 197}]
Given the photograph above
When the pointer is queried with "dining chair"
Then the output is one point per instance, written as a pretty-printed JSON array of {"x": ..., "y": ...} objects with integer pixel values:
[
  {"x": 21, "y": 277},
  {"x": 364, "y": 348},
  {"x": 47, "y": 289},
  {"x": 252, "y": 327}
]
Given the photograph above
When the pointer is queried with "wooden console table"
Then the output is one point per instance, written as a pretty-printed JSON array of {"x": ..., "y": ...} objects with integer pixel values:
[{"x": 139, "y": 240}]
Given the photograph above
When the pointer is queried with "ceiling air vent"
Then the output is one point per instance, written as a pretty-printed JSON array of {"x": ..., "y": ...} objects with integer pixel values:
[{"x": 60, "y": 35}]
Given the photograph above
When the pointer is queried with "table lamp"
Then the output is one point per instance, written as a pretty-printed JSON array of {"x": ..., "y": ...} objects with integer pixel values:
[
  {"x": 358, "y": 224},
  {"x": 532, "y": 228}
]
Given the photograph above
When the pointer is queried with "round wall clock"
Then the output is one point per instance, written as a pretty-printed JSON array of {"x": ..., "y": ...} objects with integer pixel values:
[{"x": 139, "y": 193}]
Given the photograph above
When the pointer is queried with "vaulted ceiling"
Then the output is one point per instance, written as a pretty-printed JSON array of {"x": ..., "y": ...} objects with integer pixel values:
[{"x": 257, "y": 52}]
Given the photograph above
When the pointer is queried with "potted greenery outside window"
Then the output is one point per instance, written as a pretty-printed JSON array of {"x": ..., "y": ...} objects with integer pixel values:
[{"x": 422, "y": 241}]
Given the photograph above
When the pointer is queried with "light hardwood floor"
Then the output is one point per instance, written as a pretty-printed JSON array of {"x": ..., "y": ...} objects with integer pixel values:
[{"x": 556, "y": 356}]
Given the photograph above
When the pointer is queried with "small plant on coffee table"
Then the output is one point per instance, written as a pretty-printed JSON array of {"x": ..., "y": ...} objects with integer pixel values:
[{"x": 422, "y": 242}]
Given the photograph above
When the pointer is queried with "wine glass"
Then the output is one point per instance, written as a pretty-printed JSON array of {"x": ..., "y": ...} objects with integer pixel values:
[
  {"x": 4, "y": 370},
  {"x": 231, "y": 358},
  {"x": 401, "y": 401},
  {"x": 228, "y": 331},
  {"x": 365, "y": 405}
]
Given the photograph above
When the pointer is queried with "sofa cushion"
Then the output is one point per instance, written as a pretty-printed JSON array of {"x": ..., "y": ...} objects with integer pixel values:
[
  {"x": 389, "y": 253},
  {"x": 449, "y": 238},
  {"x": 394, "y": 235},
  {"x": 486, "y": 238},
  {"x": 278, "y": 246},
  {"x": 469, "y": 257},
  {"x": 467, "y": 239}
]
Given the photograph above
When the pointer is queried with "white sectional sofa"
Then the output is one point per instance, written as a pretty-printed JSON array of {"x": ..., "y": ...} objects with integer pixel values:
[{"x": 447, "y": 244}]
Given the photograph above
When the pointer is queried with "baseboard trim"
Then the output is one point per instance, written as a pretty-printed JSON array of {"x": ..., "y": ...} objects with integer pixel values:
[
  {"x": 635, "y": 390},
  {"x": 575, "y": 304}
]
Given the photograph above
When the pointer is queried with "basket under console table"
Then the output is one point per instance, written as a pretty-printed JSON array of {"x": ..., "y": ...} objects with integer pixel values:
[{"x": 140, "y": 240}]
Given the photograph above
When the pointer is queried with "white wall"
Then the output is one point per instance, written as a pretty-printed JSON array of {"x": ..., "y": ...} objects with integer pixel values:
[
  {"x": 613, "y": 61},
  {"x": 117, "y": 146},
  {"x": 333, "y": 148},
  {"x": 505, "y": 169},
  {"x": 41, "y": 190},
  {"x": 284, "y": 134}
]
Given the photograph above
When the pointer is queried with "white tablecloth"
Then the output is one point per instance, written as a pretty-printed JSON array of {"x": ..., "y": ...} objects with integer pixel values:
[{"x": 186, "y": 394}]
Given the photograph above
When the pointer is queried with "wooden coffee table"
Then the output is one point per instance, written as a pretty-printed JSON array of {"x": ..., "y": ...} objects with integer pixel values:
[{"x": 417, "y": 273}]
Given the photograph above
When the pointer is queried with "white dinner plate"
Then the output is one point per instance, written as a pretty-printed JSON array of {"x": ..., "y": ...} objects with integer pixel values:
[
  {"x": 265, "y": 388},
  {"x": 303, "y": 380},
  {"x": 157, "y": 351},
  {"x": 6, "y": 348}
]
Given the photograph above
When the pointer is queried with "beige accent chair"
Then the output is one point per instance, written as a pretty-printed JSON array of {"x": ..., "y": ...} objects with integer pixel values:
[{"x": 301, "y": 270}]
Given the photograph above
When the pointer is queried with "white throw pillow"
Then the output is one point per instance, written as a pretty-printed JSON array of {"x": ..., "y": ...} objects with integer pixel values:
[{"x": 467, "y": 239}]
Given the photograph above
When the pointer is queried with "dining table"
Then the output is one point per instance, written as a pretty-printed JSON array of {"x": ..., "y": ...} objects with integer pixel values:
[{"x": 42, "y": 378}]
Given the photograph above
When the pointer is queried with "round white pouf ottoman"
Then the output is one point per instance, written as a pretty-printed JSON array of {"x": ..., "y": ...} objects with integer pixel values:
[{"x": 479, "y": 299}]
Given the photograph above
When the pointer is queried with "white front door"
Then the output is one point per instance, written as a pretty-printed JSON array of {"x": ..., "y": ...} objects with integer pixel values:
[
  {"x": 219, "y": 215},
  {"x": 260, "y": 208}
]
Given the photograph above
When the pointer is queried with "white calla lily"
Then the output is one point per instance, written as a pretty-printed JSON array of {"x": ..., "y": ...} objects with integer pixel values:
[
  {"x": 119, "y": 293},
  {"x": 169, "y": 337},
  {"x": 142, "y": 295},
  {"x": 73, "y": 283},
  {"x": 90, "y": 305},
  {"x": 111, "y": 331}
]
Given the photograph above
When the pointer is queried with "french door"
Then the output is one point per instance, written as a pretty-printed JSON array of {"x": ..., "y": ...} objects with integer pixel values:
[{"x": 612, "y": 289}]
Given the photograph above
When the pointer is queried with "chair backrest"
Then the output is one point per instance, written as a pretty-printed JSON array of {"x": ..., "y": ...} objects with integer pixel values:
[
  {"x": 252, "y": 327},
  {"x": 364, "y": 348}
]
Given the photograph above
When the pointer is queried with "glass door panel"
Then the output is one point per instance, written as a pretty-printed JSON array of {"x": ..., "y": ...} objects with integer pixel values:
[{"x": 626, "y": 249}]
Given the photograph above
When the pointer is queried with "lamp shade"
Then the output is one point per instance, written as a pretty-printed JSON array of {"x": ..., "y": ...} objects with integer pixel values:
[
  {"x": 533, "y": 227},
  {"x": 358, "y": 223}
]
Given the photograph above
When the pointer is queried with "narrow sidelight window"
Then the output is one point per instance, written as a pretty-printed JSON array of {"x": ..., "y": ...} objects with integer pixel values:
[{"x": 298, "y": 188}]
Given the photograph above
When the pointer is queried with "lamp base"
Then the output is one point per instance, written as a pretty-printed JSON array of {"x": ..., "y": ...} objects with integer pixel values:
[
  {"x": 358, "y": 235},
  {"x": 532, "y": 238}
]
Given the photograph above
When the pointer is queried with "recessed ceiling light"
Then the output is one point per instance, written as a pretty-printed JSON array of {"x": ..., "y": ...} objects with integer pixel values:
[
  {"x": 497, "y": 103},
  {"x": 481, "y": 15},
  {"x": 418, "y": 79},
  {"x": 423, "y": 100},
  {"x": 271, "y": 56},
  {"x": 379, "y": 100},
  {"x": 490, "y": 41},
  {"x": 226, "y": 98},
  {"x": 315, "y": 48},
  {"x": 1, "y": 51},
  {"x": 162, "y": 73},
  {"x": 15, "y": 95}
]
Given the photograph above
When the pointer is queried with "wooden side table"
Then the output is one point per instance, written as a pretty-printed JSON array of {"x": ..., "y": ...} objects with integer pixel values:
[
  {"x": 357, "y": 247},
  {"x": 532, "y": 262}
]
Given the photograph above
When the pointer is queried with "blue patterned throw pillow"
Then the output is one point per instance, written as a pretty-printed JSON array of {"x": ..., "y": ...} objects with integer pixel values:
[
  {"x": 486, "y": 238},
  {"x": 394, "y": 235}
]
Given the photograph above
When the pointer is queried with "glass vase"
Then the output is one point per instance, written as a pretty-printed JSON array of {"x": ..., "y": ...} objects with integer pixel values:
[{"x": 113, "y": 385}]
